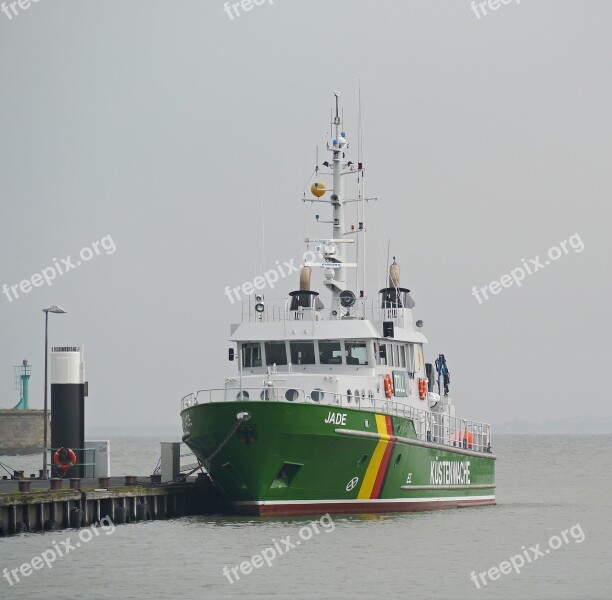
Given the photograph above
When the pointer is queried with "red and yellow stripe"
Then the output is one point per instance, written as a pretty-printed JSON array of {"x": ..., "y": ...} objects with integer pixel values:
[{"x": 371, "y": 486}]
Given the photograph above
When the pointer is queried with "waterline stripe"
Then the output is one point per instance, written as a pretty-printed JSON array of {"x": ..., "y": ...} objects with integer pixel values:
[
  {"x": 475, "y": 486},
  {"x": 366, "y": 502}
]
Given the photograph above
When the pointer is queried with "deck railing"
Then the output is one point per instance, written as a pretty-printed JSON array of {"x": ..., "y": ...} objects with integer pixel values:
[
  {"x": 437, "y": 428},
  {"x": 440, "y": 428},
  {"x": 89, "y": 460},
  {"x": 279, "y": 310}
]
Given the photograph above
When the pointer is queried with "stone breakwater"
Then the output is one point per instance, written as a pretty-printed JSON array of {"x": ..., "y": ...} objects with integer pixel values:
[{"x": 21, "y": 431}]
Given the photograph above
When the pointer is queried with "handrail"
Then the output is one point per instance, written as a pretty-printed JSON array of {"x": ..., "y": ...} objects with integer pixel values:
[
  {"x": 52, "y": 451},
  {"x": 433, "y": 427},
  {"x": 244, "y": 393},
  {"x": 279, "y": 310}
]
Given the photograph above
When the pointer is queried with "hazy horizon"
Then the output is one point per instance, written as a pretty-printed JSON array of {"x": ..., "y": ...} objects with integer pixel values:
[{"x": 487, "y": 141}]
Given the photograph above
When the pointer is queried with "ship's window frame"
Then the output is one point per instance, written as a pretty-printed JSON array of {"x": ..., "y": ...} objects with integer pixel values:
[
  {"x": 311, "y": 345},
  {"x": 246, "y": 351},
  {"x": 335, "y": 360},
  {"x": 349, "y": 344},
  {"x": 410, "y": 359},
  {"x": 383, "y": 353},
  {"x": 396, "y": 362},
  {"x": 292, "y": 395},
  {"x": 274, "y": 360},
  {"x": 317, "y": 395},
  {"x": 402, "y": 356}
]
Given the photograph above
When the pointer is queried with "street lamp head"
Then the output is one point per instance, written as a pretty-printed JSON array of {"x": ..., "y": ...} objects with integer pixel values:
[{"x": 54, "y": 309}]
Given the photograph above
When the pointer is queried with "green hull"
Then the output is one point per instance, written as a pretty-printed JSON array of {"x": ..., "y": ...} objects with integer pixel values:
[{"x": 289, "y": 459}]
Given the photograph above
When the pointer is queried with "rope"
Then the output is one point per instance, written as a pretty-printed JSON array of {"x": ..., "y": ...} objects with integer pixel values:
[
  {"x": 231, "y": 432},
  {"x": 179, "y": 479},
  {"x": 4, "y": 466},
  {"x": 183, "y": 476}
]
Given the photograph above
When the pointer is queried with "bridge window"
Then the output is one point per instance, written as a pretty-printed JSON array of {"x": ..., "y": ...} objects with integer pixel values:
[
  {"x": 356, "y": 352},
  {"x": 410, "y": 358},
  {"x": 382, "y": 354},
  {"x": 302, "y": 353},
  {"x": 330, "y": 352},
  {"x": 251, "y": 355},
  {"x": 276, "y": 353},
  {"x": 402, "y": 356}
]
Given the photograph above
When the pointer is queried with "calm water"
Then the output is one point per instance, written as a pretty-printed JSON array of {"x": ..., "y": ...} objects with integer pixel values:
[{"x": 546, "y": 484}]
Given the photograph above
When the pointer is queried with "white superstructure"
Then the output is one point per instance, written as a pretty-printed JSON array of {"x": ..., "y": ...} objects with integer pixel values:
[{"x": 346, "y": 350}]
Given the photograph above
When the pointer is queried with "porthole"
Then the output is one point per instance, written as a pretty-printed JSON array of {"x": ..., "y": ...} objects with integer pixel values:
[
  {"x": 242, "y": 396},
  {"x": 317, "y": 395},
  {"x": 348, "y": 395},
  {"x": 362, "y": 459},
  {"x": 292, "y": 395},
  {"x": 397, "y": 460},
  {"x": 367, "y": 423}
]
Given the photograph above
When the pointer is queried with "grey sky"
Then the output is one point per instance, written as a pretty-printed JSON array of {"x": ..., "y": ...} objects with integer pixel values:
[{"x": 487, "y": 141}]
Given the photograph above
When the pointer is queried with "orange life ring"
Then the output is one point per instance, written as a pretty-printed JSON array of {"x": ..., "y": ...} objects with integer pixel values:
[
  {"x": 423, "y": 389},
  {"x": 388, "y": 386},
  {"x": 64, "y": 458}
]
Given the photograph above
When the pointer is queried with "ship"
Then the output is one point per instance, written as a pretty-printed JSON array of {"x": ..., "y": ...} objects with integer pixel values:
[{"x": 332, "y": 408}]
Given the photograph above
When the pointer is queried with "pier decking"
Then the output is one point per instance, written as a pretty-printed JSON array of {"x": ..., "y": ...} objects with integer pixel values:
[{"x": 29, "y": 505}]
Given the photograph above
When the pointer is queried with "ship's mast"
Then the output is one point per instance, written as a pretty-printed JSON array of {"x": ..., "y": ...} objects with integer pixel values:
[
  {"x": 333, "y": 250},
  {"x": 339, "y": 282}
]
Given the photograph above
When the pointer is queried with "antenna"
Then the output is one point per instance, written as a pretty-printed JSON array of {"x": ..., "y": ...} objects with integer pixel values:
[
  {"x": 359, "y": 130},
  {"x": 305, "y": 172},
  {"x": 263, "y": 229},
  {"x": 337, "y": 117},
  {"x": 361, "y": 189}
]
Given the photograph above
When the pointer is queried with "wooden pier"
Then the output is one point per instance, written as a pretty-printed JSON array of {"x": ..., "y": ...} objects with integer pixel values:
[{"x": 28, "y": 505}]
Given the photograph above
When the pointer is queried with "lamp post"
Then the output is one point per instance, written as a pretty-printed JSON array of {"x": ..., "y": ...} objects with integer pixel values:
[{"x": 56, "y": 310}]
